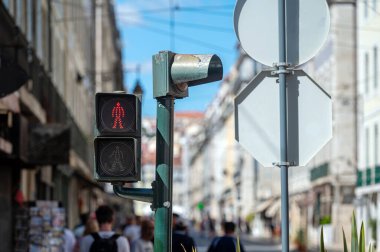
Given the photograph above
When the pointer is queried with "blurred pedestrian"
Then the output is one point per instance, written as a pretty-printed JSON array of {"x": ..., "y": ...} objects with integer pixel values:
[
  {"x": 144, "y": 243},
  {"x": 181, "y": 240},
  {"x": 69, "y": 240},
  {"x": 128, "y": 221},
  {"x": 105, "y": 239},
  {"x": 227, "y": 242},
  {"x": 79, "y": 229},
  {"x": 92, "y": 226},
  {"x": 133, "y": 230},
  {"x": 211, "y": 226}
]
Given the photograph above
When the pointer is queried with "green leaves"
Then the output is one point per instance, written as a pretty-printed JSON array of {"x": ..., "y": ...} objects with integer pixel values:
[
  {"x": 354, "y": 235},
  {"x": 370, "y": 248},
  {"x": 344, "y": 242},
  {"x": 362, "y": 239},
  {"x": 357, "y": 245},
  {"x": 322, "y": 241}
]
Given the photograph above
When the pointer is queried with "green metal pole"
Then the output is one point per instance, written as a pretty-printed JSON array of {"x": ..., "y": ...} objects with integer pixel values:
[{"x": 163, "y": 185}]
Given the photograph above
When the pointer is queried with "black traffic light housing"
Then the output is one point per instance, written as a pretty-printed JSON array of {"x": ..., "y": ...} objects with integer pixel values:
[{"x": 118, "y": 145}]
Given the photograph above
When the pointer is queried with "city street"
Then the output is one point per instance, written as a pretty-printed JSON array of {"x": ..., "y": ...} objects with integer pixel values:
[
  {"x": 249, "y": 244},
  {"x": 252, "y": 118}
]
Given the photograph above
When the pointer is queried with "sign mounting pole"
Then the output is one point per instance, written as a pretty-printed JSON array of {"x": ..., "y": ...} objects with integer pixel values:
[
  {"x": 296, "y": 37},
  {"x": 284, "y": 165}
]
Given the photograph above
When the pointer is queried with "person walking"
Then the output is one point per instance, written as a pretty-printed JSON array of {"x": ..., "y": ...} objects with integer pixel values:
[
  {"x": 105, "y": 240},
  {"x": 92, "y": 226},
  {"x": 181, "y": 240},
  {"x": 227, "y": 242},
  {"x": 144, "y": 243},
  {"x": 69, "y": 240},
  {"x": 133, "y": 229}
]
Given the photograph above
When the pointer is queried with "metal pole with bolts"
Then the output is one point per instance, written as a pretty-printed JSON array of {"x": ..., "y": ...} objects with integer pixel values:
[
  {"x": 301, "y": 29},
  {"x": 283, "y": 127},
  {"x": 173, "y": 74},
  {"x": 164, "y": 175}
]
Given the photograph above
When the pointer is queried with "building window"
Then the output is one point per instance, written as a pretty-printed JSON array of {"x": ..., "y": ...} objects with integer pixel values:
[
  {"x": 366, "y": 72},
  {"x": 375, "y": 67},
  {"x": 365, "y": 2}
]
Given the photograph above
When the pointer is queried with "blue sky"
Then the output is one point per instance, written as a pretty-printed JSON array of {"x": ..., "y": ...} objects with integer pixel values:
[{"x": 201, "y": 27}]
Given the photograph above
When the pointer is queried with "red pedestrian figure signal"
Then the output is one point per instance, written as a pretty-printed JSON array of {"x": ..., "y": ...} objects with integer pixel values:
[{"x": 117, "y": 114}]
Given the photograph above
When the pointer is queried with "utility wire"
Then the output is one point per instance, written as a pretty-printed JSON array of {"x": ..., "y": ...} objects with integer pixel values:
[
  {"x": 210, "y": 8},
  {"x": 147, "y": 11},
  {"x": 166, "y": 9},
  {"x": 206, "y": 12},
  {"x": 188, "y": 39},
  {"x": 185, "y": 24},
  {"x": 172, "y": 25}
]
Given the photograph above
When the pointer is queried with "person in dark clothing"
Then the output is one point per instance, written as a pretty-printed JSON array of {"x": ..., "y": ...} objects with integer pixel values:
[
  {"x": 181, "y": 241},
  {"x": 105, "y": 239},
  {"x": 226, "y": 243}
]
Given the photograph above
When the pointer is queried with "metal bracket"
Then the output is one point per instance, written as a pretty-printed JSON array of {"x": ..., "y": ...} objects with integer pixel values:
[
  {"x": 288, "y": 69},
  {"x": 282, "y": 71},
  {"x": 278, "y": 164},
  {"x": 282, "y": 64},
  {"x": 140, "y": 194}
]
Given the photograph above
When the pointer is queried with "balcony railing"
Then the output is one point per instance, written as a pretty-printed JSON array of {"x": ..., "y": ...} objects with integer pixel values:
[
  {"x": 359, "y": 179},
  {"x": 368, "y": 176},
  {"x": 377, "y": 174}
]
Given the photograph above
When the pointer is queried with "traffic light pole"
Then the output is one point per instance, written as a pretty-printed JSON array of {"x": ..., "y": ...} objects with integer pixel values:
[
  {"x": 164, "y": 175},
  {"x": 173, "y": 74}
]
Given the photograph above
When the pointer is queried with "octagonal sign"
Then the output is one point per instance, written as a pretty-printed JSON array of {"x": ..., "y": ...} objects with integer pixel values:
[{"x": 257, "y": 118}]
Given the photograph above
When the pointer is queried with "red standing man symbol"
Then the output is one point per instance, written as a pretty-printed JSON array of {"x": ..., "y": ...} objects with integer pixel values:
[{"x": 117, "y": 114}]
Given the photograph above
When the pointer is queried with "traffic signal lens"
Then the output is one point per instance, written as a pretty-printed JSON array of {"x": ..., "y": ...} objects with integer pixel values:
[
  {"x": 116, "y": 158},
  {"x": 117, "y": 114}
]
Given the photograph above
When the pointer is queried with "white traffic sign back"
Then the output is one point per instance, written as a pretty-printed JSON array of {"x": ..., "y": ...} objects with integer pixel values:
[
  {"x": 256, "y": 26},
  {"x": 257, "y": 118}
]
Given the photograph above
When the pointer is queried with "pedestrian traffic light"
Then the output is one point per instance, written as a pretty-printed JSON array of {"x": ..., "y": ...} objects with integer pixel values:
[
  {"x": 174, "y": 73},
  {"x": 118, "y": 145}
]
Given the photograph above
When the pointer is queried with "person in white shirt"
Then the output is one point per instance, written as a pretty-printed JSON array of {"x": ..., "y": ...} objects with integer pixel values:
[
  {"x": 105, "y": 239},
  {"x": 144, "y": 243},
  {"x": 69, "y": 240},
  {"x": 133, "y": 230}
]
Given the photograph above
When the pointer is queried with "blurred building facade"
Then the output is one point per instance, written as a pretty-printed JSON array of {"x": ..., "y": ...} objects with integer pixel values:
[
  {"x": 367, "y": 201},
  {"x": 187, "y": 126},
  {"x": 148, "y": 163},
  {"x": 322, "y": 193},
  {"x": 225, "y": 182},
  {"x": 47, "y": 124}
]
